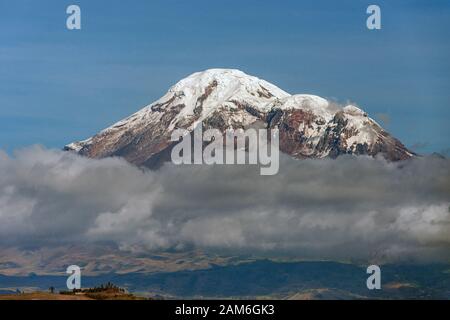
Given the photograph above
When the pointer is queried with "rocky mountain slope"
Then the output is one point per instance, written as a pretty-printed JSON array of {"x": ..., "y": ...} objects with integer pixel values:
[{"x": 309, "y": 126}]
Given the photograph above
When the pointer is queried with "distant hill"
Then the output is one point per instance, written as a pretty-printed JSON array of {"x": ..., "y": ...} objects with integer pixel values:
[{"x": 265, "y": 278}]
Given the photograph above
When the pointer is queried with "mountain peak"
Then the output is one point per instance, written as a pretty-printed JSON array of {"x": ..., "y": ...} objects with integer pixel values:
[
  {"x": 222, "y": 85},
  {"x": 310, "y": 126},
  {"x": 227, "y": 80}
]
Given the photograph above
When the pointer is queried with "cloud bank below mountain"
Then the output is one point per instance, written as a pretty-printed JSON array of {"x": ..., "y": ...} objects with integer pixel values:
[{"x": 348, "y": 208}]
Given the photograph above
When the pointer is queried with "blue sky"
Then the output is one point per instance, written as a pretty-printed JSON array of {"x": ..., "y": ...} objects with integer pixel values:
[{"x": 57, "y": 86}]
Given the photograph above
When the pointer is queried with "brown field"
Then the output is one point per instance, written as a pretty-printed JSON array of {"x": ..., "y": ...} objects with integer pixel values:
[
  {"x": 42, "y": 296},
  {"x": 80, "y": 296}
]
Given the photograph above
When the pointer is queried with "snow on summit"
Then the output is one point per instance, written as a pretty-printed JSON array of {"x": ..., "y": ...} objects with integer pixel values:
[{"x": 222, "y": 87}]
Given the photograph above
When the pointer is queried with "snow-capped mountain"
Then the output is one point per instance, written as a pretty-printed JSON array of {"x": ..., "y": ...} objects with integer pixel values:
[{"x": 310, "y": 126}]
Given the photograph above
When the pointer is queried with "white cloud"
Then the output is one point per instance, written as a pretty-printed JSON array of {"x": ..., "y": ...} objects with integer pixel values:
[{"x": 349, "y": 208}]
